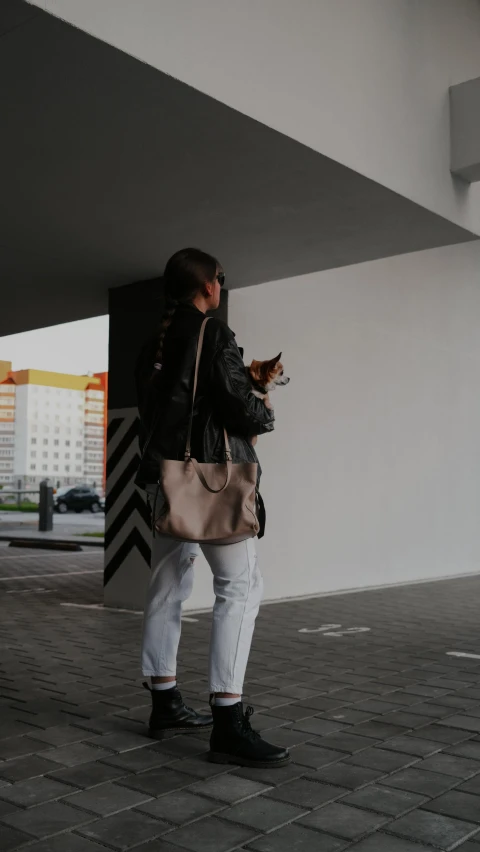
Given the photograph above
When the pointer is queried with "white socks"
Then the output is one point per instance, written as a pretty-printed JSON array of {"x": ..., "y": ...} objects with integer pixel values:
[
  {"x": 226, "y": 702},
  {"x": 219, "y": 702}
]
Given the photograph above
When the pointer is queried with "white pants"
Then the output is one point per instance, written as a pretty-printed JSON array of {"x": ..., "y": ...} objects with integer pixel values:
[{"x": 238, "y": 588}]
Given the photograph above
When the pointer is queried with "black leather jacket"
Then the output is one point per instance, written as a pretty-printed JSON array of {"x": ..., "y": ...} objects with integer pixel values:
[{"x": 224, "y": 397}]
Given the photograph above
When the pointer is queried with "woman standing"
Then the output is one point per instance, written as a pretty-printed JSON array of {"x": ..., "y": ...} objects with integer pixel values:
[{"x": 193, "y": 281}]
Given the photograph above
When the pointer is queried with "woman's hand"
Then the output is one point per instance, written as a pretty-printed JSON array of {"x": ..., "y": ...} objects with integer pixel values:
[{"x": 254, "y": 440}]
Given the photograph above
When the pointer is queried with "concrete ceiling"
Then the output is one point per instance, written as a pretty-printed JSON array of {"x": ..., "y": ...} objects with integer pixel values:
[{"x": 108, "y": 166}]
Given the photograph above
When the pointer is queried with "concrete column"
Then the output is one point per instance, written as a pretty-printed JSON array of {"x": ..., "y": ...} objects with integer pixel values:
[
  {"x": 465, "y": 130},
  {"x": 135, "y": 313}
]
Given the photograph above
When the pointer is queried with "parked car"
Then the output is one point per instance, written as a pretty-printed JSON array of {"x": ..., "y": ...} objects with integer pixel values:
[{"x": 78, "y": 498}]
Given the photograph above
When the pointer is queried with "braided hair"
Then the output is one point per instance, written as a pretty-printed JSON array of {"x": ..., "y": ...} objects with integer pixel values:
[
  {"x": 168, "y": 314},
  {"x": 185, "y": 276}
]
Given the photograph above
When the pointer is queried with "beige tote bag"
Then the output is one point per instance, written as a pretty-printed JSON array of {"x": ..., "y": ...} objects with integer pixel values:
[{"x": 204, "y": 502}]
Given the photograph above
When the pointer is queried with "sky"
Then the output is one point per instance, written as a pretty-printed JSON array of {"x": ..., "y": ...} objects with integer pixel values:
[{"x": 74, "y": 347}]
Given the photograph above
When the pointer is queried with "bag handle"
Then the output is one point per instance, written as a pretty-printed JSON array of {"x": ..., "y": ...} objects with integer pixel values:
[
  {"x": 204, "y": 482},
  {"x": 188, "y": 447}
]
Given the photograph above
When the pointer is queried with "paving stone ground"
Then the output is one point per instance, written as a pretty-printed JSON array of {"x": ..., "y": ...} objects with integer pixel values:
[{"x": 383, "y": 726}]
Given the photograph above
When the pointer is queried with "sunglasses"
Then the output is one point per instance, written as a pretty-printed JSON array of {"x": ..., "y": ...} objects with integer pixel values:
[{"x": 221, "y": 278}]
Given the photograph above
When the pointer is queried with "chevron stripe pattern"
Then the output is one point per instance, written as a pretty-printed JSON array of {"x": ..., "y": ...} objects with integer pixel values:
[{"x": 127, "y": 527}]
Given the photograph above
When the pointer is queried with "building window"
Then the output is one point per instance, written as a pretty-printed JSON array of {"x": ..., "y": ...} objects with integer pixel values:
[
  {"x": 57, "y": 430},
  {"x": 33, "y": 454},
  {"x": 45, "y": 455},
  {"x": 78, "y": 456},
  {"x": 33, "y": 441},
  {"x": 55, "y": 466},
  {"x": 78, "y": 469},
  {"x": 67, "y": 468},
  {"x": 67, "y": 443},
  {"x": 45, "y": 442},
  {"x": 44, "y": 467},
  {"x": 33, "y": 467},
  {"x": 67, "y": 455},
  {"x": 55, "y": 455},
  {"x": 79, "y": 443},
  {"x": 56, "y": 442}
]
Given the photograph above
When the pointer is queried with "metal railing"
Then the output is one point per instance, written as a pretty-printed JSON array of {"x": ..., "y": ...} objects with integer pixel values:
[{"x": 18, "y": 497}]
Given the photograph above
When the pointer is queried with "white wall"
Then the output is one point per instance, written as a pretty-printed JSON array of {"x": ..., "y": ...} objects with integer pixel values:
[
  {"x": 373, "y": 473},
  {"x": 363, "y": 81}
]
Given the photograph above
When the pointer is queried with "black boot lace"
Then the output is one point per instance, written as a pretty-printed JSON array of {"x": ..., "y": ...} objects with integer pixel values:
[{"x": 247, "y": 729}]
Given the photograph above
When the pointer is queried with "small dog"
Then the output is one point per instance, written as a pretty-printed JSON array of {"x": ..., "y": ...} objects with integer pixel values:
[{"x": 265, "y": 376}]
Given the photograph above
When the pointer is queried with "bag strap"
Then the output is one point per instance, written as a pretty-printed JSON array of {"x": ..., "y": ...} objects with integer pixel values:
[
  {"x": 195, "y": 380},
  {"x": 188, "y": 447}
]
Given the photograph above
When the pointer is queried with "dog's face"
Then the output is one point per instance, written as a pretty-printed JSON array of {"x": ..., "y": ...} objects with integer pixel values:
[{"x": 268, "y": 374}]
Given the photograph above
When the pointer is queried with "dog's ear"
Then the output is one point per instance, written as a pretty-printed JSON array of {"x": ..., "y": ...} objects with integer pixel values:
[{"x": 274, "y": 361}]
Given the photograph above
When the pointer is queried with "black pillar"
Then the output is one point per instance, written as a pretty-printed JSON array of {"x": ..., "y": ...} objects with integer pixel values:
[{"x": 135, "y": 314}]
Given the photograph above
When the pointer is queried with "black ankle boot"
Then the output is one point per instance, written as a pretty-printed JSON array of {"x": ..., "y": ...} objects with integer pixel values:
[
  {"x": 169, "y": 713},
  {"x": 234, "y": 741}
]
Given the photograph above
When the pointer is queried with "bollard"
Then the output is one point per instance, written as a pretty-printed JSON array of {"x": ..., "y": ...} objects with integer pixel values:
[{"x": 45, "y": 508}]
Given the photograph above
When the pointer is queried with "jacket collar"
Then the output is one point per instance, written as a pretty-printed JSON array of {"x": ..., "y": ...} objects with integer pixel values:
[{"x": 191, "y": 309}]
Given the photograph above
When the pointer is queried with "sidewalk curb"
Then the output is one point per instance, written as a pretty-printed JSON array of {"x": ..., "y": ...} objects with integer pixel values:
[
  {"x": 38, "y": 541},
  {"x": 69, "y": 546}
]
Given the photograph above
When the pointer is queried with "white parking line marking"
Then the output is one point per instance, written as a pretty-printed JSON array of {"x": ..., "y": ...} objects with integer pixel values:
[
  {"x": 29, "y": 591},
  {"x": 463, "y": 654},
  {"x": 348, "y": 631},
  {"x": 321, "y": 629},
  {"x": 58, "y": 574},
  {"x": 116, "y": 609},
  {"x": 335, "y": 630},
  {"x": 101, "y": 607}
]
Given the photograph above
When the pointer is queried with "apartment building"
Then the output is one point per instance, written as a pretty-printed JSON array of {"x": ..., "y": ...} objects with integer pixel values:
[
  {"x": 7, "y": 423},
  {"x": 52, "y": 425}
]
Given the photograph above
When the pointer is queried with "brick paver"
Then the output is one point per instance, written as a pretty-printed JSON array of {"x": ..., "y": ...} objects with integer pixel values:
[{"x": 383, "y": 726}]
